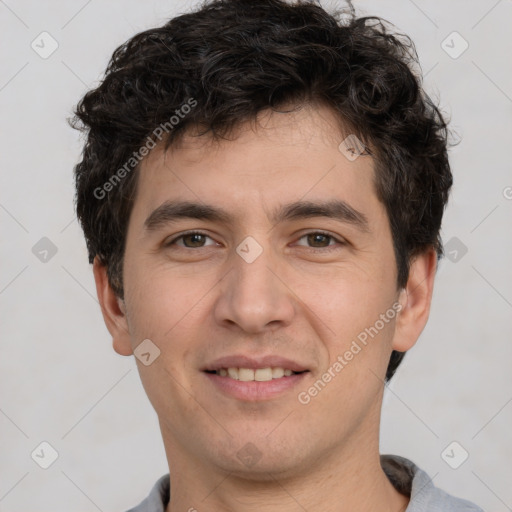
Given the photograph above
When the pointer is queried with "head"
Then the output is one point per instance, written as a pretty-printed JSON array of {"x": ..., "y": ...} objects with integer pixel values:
[{"x": 242, "y": 110}]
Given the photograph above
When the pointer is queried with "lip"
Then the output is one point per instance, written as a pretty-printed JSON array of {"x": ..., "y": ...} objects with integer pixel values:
[
  {"x": 255, "y": 391},
  {"x": 242, "y": 361}
]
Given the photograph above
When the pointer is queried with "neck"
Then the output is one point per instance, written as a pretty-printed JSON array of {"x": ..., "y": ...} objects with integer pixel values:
[{"x": 341, "y": 481}]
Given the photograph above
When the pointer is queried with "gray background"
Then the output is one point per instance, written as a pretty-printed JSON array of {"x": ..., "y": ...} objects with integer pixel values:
[{"x": 61, "y": 381}]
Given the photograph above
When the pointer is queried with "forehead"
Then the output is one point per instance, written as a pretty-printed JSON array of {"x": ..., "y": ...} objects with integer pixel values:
[{"x": 279, "y": 158}]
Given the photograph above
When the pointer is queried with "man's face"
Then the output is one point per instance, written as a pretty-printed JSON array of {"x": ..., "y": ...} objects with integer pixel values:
[{"x": 284, "y": 291}]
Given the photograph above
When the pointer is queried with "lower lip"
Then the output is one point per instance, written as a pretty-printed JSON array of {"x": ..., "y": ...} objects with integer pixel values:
[{"x": 255, "y": 390}]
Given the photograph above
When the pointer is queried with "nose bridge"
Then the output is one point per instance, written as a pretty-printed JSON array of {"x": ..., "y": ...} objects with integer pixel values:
[
  {"x": 252, "y": 264},
  {"x": 252, "y": 296}
]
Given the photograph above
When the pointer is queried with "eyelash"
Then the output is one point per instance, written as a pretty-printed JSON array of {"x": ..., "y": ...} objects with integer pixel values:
[{"x": 313, "y": 249}]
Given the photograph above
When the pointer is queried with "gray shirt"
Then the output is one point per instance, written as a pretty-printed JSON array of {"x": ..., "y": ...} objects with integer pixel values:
[{"x": 405, "y": 476}]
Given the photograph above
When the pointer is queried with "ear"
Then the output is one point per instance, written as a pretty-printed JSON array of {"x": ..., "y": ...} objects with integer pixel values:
[
  {"x": 415, "y": 300},
  {"x": 113, "y": 309}
]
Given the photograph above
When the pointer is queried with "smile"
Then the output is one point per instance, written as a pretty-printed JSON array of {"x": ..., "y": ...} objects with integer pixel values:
[{"x": 259, "y": 374}]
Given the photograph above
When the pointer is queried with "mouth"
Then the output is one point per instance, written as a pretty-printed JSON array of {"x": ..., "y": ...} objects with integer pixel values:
[
  {"x": 258, "y": 374},
  {"x": 254, "y": 379}
]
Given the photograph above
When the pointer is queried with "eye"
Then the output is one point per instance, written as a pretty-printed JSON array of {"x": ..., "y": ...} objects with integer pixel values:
[
  {"x": 197, "y": 240},
  {"x": 190, "y": 240},
  {"x": 321, "y": 240}
]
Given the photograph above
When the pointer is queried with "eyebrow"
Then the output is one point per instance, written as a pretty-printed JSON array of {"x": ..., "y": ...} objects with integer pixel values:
[{"x": 172, "y": 211}]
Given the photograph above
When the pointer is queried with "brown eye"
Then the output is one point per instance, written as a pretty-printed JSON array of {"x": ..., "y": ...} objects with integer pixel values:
[
  {"x": 320, "y": 240},
  {"x": 191, "y": 240}
]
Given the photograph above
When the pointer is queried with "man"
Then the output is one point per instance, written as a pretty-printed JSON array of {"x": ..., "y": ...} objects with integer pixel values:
[{"x": 261, "y": 193}]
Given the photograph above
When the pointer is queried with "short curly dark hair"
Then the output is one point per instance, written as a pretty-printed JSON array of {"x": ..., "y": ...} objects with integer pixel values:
[{"x": 235, "y": 58}]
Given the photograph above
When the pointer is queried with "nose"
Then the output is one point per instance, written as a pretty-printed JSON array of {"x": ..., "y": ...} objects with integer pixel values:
[{"x": 254, "y": 295}]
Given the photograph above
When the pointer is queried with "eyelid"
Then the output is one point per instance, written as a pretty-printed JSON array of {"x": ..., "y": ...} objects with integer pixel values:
[
  {"x": 183, "y": 234},
  {"x": 334, "y": 237}
]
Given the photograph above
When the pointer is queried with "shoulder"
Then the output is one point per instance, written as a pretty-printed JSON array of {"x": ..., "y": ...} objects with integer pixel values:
[
  {"x": 424, "y": 495},
  {"x": 157, "y": 499}
]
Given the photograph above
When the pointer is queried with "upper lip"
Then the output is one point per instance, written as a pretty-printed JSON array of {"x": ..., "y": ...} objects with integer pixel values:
[{"x": 241, "y": 361}]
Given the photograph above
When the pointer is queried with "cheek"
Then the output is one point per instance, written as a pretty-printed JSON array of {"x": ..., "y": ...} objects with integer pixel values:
[
  {"x": 347, "y": 300},
  {"x": 165, "y": 309},
  {"x": 355, "y": 321},
  {"x": 161, "y": 299}
]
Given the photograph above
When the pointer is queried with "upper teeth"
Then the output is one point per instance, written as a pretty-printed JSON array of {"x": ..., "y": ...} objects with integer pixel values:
[{"x": 248, "y": 374}]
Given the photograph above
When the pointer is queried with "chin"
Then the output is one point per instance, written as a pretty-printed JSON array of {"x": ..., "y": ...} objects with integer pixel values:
[
  {"x": 260, "y": 458},
  {"x": 267, "y": 469}
]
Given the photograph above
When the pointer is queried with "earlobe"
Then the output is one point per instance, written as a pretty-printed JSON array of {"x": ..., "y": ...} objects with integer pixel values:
[
  {"x": 113, "y": 309},
  {"x": 415, "y": 300}
]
